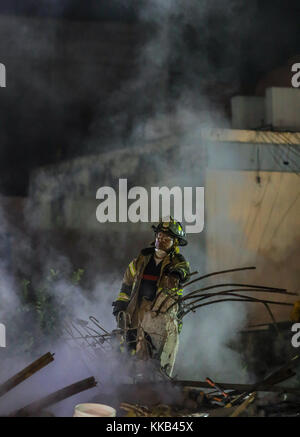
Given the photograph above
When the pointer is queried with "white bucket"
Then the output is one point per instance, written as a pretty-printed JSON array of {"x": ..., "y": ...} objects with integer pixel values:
[{"x": 94, "y": 410}]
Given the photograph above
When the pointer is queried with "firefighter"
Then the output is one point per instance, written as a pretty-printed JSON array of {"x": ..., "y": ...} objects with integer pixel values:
[{"x": 147, "y": 302}]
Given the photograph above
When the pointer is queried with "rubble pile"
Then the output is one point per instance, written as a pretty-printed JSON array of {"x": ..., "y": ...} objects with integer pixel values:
[
  {"x": 264, "y": 399},
  {"x": 174, "y": 398},
  {"x": 152, "y": 392}
]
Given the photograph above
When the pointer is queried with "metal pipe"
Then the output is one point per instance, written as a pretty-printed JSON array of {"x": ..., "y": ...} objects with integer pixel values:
[
  {"x": 234, "y": 300},
  {"x": 219, "y": 273}
]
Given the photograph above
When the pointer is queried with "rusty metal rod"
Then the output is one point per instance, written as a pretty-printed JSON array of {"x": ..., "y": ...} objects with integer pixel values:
[
  {"x": 249, "y": 298},
  {"x": 260, "y": 290},
  {"x": 262, "y": 287},
  {"x": 55, "y": 397},
  {"x": 96, "y": 322},
  {"x": 235, "y": 300},
  {"x": 273, "y": 319},
  {"x": 228, "y": 293},
  {"x": 231, "y": 290},
  {"x": 246, "y": 288},
  {"x": 210, "y": 287},
  {"x": 199, "y": 279},
  {"x": 26, "y": 373},
  {"x": 245, "y": 299},
  {"x": 218, "y": 273},
  {"x": 188, "y": 296},
  {"x": 161, "y": 291},
  {"x": 251, "y": 328}
]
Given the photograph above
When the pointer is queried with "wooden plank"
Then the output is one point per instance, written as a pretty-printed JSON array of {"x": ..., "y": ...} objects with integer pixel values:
[
  {"x": 55, "y": 397},
  {"x": 26, "y": 373}
]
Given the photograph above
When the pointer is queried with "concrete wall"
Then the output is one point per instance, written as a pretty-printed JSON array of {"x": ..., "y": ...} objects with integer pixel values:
[
  {"x": 65, "y": 195},
  {"x": 283, "y": 108},
  {"x": 248, "y": 112},
  {"x": 279, "y": 109}
]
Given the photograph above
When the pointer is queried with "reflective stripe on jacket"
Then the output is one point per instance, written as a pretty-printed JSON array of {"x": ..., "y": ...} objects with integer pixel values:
[{"x": 166, "y": 283}]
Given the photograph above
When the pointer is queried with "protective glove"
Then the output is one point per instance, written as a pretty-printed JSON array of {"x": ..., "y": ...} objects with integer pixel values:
[
  {"x": 171, "y": 270},
  {"x": 119, "y": 305}
]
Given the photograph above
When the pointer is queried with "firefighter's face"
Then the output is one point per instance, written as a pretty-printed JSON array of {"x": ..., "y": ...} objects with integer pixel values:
[{"x": 163, "y": 241}]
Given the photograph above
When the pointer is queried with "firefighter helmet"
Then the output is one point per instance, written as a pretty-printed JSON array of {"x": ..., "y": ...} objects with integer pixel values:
[{"x": 174, "y": 228}]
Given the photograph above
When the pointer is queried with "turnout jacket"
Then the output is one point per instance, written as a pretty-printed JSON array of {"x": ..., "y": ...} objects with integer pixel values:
[{"x": 174, "y": 272}]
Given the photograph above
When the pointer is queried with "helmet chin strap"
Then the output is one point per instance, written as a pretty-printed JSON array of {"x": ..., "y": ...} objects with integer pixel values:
[{"x": 160, "y": 253}]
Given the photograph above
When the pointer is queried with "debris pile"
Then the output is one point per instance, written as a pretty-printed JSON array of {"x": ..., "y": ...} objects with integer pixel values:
[
  {"x": 144, "y": 396},
  {"x": 265, "y": 398},
  {"x": 152, "y": 392},
  {"x": 186, "y": 398}
]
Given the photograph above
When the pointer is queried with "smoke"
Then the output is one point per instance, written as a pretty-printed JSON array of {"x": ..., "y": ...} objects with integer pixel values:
[
  {"x": 33, "y": 330},
  {"x": 205, "y": 344},
  {"x": 205, "y": 339},
  {"x": 175, "y": 69}
]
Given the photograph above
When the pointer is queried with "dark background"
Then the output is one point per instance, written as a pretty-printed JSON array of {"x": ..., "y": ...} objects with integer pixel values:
[{"x": 220, "y": 56}]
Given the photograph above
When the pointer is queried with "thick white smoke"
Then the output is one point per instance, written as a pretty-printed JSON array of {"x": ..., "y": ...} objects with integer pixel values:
[{"x": 204, "y": 342}]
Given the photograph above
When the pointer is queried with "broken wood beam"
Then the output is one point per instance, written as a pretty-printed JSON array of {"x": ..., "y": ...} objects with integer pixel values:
[
  {"x": 240, "y": 388},
  {"x": 241, "y": 408},
  {"x": 282, "y": 372},
  {"x": 55, "y": 397},
  {"x": 26, "y": 373}
]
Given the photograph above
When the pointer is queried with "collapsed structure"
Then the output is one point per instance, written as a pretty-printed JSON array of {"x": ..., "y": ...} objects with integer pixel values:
[{"x": 246, "y": 172}]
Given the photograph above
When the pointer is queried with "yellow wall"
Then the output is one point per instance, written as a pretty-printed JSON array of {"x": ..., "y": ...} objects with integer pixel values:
[{"x": 255, "y": 224}]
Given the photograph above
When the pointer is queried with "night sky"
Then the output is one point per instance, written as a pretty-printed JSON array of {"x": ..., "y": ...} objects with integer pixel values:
[
  {"x": 74, "y": 9},
  {"x": 238, "y": 49}
]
